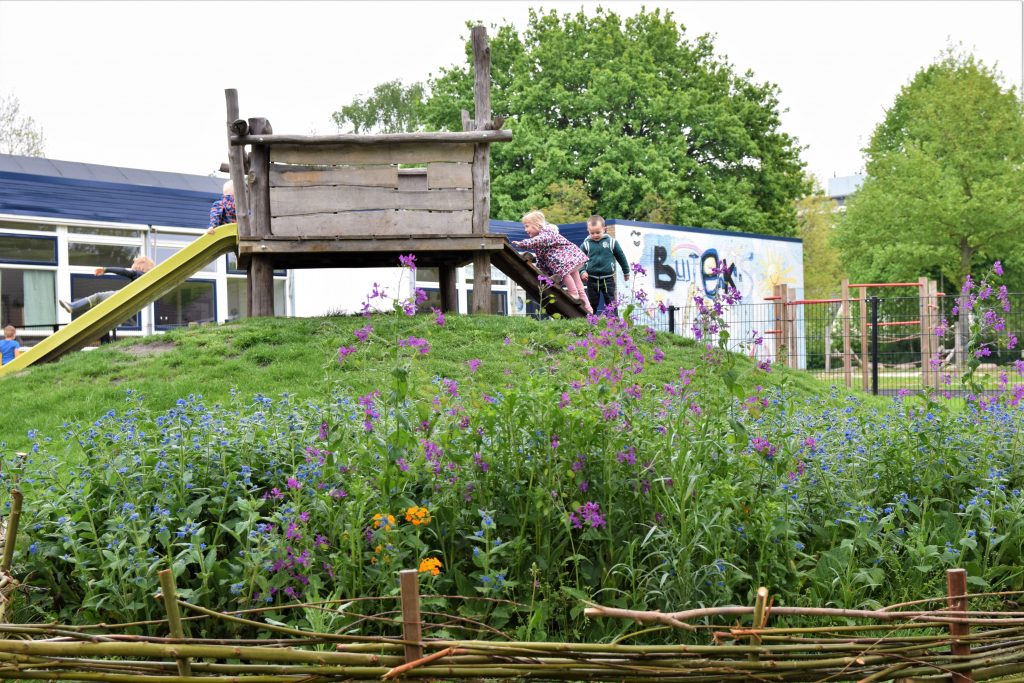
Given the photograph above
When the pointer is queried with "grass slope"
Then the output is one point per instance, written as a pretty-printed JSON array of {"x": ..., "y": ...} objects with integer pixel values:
[{"x": 299, "y": 355}]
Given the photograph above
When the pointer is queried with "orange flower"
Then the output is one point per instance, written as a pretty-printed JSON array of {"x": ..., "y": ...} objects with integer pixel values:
[
  {"x": 432, "y": 565},
  {"x": 417, "y": 515}
]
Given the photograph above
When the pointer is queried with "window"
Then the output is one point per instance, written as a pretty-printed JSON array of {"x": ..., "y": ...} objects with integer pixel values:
[
  {"x": 238, "y": 298},
  {"x": 232, "y": 262},
  {"x": 496, "y": 275},
  {"x": 191, "y": 302},
  {"x": 109, "y": 232},
  {"x": 433, "y": 300},
  {"x": 428, "y": 275},
  {"x": 499, "y": 302},
  {"x": 86, "y": 285},
  {"x": 163, "y": 252},
  {"x": 96, "y": 255},
  {"x": 35, "y": 227},
  {"x": 28, "y": 298},
  {"x": 24, "y": 249}
]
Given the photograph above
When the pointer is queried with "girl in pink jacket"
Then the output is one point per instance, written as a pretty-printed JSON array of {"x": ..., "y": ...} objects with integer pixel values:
[{"x": 557, "y": 257}]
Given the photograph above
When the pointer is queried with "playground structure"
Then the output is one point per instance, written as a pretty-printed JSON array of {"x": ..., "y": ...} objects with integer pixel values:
[
  {"x": 785, "y": 333},
  {"x": 361, "y": 201},
  {"x": 343, "y": 201}
]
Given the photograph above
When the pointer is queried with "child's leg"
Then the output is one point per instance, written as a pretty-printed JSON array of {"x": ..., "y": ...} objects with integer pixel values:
[{"x": 574, "y": 281}]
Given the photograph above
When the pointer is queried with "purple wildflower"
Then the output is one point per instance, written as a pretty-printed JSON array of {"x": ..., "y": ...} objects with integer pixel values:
[{"x": 408, "y": 261}]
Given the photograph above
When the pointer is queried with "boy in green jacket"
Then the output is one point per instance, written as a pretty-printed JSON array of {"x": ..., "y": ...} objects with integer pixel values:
[{"x": 599, "y": 272}]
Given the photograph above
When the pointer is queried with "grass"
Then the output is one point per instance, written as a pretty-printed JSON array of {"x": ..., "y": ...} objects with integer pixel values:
[{"x": 269, "y": 356}]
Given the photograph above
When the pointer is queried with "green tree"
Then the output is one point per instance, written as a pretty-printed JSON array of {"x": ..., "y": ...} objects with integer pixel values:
[
  {"x": 18, "y": 134},
  {"x": 651, "y": 123},
  {"x": 944, "y": 192},
  {"x": 392, "y": 108},
  {"x": 568, "y": 202},
  {"x": 816, "y": 218}
]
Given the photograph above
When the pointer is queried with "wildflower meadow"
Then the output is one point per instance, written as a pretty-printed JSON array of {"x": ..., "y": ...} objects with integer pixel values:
[{"x": 611, "y": 471}]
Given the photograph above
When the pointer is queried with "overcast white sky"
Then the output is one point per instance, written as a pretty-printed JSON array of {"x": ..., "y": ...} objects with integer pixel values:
[{"x": 141, "y": 84}]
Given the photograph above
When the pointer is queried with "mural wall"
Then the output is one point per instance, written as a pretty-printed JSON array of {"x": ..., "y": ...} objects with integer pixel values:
[{"x": 681, "y": 264}]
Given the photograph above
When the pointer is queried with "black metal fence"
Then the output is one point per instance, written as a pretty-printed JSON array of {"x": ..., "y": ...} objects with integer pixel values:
[{"x": 879, "y": 344}]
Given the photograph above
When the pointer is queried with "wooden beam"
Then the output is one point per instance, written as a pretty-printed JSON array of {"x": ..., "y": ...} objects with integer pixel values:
[
  {"x": 379, "y": 222},
  {"x": 481, "y": 196},
  {"x": 297, "y": 201},
  {"x": 370, "y": 140},
  {"x": 289, "y": 175},
  {"x": 339, "y": 155},
  {"x": 261, "y": 270},
  {"x": 236, "y": 161}
]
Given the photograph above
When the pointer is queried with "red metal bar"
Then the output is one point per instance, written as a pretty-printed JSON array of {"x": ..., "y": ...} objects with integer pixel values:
[
  {"x": 772, "y": 298},
  {"x": 772, "y": 332},
  {"x": 900, "y": 323},
  {"x": 889, "y": 284},
  {"x": 815, "y": 301}
]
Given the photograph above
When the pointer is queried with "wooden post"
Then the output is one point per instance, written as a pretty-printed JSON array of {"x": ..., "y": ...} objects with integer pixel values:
[
  {"x": 261, "y": 269},
  {"x": 412, "y": 629},
  {"x": 11, "y": 535},
  {"x": 922, "y": 315},
  {"x": 933, "y": 322},
  {"x": 449, "y": 292},
  {"x": 794, "y": 333},
  {"x": 847, "y": 348},
  {"x": 170, "y": 593},
  {"x": 784, "y": 333},
  {"x": 760, "y": 605},
  {"x": 236, "y": 162},
  {"x": 956, "y": 590},
  {"x": 865, "y": 371},
  {"x": 481, "y": 167}
]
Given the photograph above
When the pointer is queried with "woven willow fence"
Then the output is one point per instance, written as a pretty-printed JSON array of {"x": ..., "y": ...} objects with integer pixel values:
[{"x": 903, "y": 643}]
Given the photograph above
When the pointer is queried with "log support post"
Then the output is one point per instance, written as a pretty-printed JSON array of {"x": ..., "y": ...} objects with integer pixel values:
[
  {"x": 449, "y": 292},
  {"x": 170, "y": 594},
  {"x": 412, "y": 628},
  {"x": 956, "y": 590},
  {"x": 481, "y": 167},
  {"x": 261, "y": 269}
]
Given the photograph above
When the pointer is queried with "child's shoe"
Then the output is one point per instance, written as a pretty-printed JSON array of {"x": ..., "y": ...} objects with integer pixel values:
[{"x": 65, "y": 305}]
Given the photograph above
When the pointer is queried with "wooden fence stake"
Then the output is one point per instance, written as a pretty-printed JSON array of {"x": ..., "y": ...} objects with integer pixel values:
[
  {"x": 11, "y": 535},
  {"x": 170, "y": 593},
  {"x": 956, "y": 589},
  {"x": 847, "y": 349},
  {"x": 760, "y": 605},
  {"x": 412, "y": 629}
]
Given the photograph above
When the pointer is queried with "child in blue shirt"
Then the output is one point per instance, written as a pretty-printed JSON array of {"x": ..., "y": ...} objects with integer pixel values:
[{"x": 9, "y": 346}]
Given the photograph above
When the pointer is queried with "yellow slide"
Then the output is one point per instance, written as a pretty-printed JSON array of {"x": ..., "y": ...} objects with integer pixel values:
[{"x": 128, "y": 301}]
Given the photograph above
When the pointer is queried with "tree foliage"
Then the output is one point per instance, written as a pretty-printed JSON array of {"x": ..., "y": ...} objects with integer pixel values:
[
  {"x": 18, "y": 134},
  {"x": 392, "y": 108},
  {"x": 823, "y": 272},
  {"x": 650, "y": 123},
  {"x": 943, "y": 193}
]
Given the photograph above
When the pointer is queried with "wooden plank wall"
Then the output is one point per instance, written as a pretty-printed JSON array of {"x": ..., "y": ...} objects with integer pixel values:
[{"x": 339, "y": 190}]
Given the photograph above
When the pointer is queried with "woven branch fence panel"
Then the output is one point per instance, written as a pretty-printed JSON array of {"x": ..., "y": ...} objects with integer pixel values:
[{"x": 904, "y": 643}]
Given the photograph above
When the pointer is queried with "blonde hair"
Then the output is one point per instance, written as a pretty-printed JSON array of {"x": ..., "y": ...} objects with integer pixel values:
[
  {"x": 229, "y": 188},
  {"x": 535, "y": 218},
  {"x": 142, "y": 264},
  {"x": 9, "y": 332}
]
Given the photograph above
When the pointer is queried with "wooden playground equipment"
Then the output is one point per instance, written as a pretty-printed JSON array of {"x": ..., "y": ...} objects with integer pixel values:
[
  {"x": 786, "y": 330},
  {"x": 360, "y": 201}
]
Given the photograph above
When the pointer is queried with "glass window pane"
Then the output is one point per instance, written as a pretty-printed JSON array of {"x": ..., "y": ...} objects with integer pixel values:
[
  {"x": 232, "y": 266},
  {"x": 173, "y": 238},
  {"x": 96, "y": 255},
  {"x": 427, "y": 275},
  {"x": 433, "y": 300},
  {"x": 238, "y": 298},
  {"x": 27, "y": 299},
  {"x": 499, "y": 302},
  {"x": 86, "y": 285},
  {"x": 162, "y": 253},
  {"x": 23, "y": 249},
  {"x": 496, "y": 275},
  {"x": 192, "y": 302},
  {"x": 111, "y": 232}
]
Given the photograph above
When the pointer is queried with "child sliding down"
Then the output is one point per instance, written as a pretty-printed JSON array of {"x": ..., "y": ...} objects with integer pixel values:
[{"x": 557, "y": 257}]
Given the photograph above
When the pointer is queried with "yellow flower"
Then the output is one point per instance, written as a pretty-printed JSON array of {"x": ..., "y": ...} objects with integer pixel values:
[
  {"x": 387, "y": 521},
  {"x": 417, "y": 515},
  {"x": 432, "y": 565}
]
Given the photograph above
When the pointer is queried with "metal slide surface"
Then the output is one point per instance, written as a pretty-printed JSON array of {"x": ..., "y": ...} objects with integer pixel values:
[
  {"x": 525, "y": 274},
  {"x": 129, "y": 300}
]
